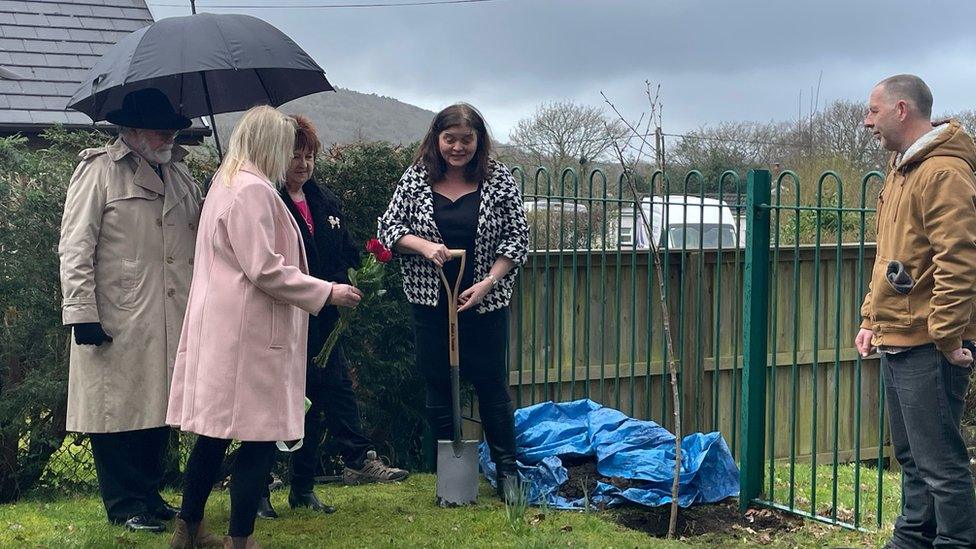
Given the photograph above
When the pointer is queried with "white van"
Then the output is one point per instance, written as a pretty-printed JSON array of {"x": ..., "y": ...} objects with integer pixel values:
[{"x": 690, "y": 220}]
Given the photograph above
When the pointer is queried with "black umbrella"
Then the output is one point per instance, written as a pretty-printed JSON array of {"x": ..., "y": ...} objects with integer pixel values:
[{"x": 206, "y": 64}]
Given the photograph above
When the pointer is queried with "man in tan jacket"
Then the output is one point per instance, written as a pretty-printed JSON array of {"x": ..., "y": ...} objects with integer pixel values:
[
  {"x": 127, "y": 241},
  {"x": 920, "y": 310}
]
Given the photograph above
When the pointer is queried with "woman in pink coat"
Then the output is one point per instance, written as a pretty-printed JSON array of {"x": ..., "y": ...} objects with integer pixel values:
[{"x": 240, "y": 364}]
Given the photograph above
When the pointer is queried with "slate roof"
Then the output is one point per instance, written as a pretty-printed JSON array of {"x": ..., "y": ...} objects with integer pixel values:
[{"x": 52, "y": 44}]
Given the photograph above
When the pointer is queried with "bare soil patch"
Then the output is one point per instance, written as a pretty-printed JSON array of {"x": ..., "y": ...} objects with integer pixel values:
[
  {"x": 723, "y": 518},
  {"x": 759, "y": 525}
]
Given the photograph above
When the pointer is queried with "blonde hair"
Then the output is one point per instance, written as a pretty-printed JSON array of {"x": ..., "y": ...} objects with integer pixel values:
[{"x": 265, "y": 137}]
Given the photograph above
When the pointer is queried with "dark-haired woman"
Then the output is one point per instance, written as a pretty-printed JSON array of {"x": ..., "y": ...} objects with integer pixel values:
[{"x": 455, "y": 196}]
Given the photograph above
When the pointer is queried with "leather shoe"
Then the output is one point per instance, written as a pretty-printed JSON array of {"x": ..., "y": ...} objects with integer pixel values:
[
  {"x": 165, "y": 513},
  {"x": 265, "y": 510},
  {"x": 308, "y": 499},
  {"x": 145, "y": 523}
]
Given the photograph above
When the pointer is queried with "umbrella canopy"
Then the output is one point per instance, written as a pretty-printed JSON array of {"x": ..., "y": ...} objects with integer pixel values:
[{"x": 205, "y": 64}]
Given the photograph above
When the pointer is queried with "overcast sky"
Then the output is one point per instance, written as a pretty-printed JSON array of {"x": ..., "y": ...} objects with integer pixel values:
[{"x": 715, "y": 60}]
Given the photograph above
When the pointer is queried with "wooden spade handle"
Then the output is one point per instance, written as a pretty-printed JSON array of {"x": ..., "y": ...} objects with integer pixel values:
[{"x": 452, "y": 313}]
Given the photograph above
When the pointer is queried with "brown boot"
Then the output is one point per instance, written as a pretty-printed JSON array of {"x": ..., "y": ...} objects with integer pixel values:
[
  {"x": 374, "y": 469},
  {"x": 205, "y": 539},
  {"x": 181, "y": 535},
  {"x": 241, "y": 543},
  {"x": 188, "y": 535}
]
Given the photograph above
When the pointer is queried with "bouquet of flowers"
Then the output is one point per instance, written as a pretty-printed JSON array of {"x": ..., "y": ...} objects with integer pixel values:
[{"x": 369, "y": 279}]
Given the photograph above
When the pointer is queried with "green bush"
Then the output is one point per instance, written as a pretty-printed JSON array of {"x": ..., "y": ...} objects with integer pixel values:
[
  {"x": 34, "y": 448},
  {"x": 202, "y": 162},
  {"x": 380, "y": 347},
  {"x": 33, "y": 353}
]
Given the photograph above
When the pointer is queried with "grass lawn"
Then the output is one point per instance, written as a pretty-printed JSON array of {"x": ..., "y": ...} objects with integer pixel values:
[
  {"x": 397, "y": 515},
  {"x": 819, "y": 498}
]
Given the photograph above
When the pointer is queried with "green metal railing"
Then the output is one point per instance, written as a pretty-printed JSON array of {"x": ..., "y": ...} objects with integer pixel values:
[
  {"x": 587, "y": 320},
  {"x": 762, "y": 325},
  {"x": 835, "y": 316}
]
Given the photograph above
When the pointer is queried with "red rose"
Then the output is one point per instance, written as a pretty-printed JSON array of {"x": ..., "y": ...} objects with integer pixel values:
[
  {"x": 384, "y": 256},
  {"x": 374, "y": 246}
]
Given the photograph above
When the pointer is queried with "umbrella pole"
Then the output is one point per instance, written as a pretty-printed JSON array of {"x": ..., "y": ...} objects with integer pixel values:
[
  {"x": 213, "y": 128},
  {"x": 213, "y": 122}
]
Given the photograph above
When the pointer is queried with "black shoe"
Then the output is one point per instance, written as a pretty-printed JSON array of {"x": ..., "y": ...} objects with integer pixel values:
[
  {"x": 144, "y": 523},
  {"x": 265, "y": 510},
  {"x": 499, "y": 424},
  {"x": 165, "y": 513},
  {"x": 308, "y": 499}
]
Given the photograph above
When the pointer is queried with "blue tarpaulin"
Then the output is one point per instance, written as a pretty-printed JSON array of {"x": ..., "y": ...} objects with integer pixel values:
[{"x": 641, "y": 452}]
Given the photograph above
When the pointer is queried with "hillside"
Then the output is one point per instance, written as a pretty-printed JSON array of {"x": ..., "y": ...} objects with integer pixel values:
[{"x": 346, "y": 116}]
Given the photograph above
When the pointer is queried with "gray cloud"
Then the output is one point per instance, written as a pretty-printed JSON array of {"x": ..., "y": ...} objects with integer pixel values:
[{"x": 716, "y": 60}]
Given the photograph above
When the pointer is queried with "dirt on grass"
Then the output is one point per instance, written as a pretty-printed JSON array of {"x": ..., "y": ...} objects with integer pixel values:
[
  {"x": 724, "y": 518},
  {"x": 759, "y": 525}
]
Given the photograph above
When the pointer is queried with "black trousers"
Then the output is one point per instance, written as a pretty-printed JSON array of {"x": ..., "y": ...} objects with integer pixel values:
[
  {"x": 248, "y": 480},
  {"x": 926, "y": 395},
  {"x": 129, "y": 466},
  {"x": 334, "y": 408},
  {"x": 483, "y": 340}
]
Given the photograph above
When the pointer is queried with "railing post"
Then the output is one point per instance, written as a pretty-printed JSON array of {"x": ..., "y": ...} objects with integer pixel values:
[{"x": 755, "y": 314}]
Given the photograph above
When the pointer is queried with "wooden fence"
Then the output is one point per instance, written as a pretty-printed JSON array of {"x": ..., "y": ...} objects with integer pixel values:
[{"x": 589, "y": 325}]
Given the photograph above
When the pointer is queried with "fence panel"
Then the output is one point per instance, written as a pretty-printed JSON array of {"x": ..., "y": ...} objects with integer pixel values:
[
  {"x": 825, "y": 431},
  {"x": 587, "y": 322},
  {"x": 587, "y": 319}
]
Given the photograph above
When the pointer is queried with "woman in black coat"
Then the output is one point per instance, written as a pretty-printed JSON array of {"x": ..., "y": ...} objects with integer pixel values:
[{"x": 330, "y": 252}]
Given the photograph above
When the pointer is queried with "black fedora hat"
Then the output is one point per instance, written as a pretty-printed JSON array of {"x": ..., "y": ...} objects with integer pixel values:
[{"x": 148, "y": 109}]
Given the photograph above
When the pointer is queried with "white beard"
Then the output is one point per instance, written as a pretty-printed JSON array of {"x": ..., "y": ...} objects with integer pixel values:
[{"x": 160, "y": 157}]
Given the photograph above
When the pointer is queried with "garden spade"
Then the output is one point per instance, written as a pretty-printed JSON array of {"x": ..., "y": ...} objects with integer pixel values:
[{"x": 457, "y": 460}]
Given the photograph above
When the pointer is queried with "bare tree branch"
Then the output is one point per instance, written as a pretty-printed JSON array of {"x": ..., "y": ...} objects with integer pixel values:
[
  {"x": 563, "y": 134},
  {"x": 665, "y": 309}
]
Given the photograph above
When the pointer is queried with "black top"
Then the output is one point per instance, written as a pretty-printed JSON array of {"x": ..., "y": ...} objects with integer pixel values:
[
  {"x": 458, "y": 224},
  {"x": 330, "y": 251}
]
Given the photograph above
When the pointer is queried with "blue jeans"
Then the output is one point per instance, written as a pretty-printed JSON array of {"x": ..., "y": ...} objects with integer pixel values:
[{"x": 926, "y": 396}]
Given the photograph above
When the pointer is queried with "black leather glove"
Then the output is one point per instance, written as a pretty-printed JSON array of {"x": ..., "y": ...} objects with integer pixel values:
[{"x": 90, "y": 333}]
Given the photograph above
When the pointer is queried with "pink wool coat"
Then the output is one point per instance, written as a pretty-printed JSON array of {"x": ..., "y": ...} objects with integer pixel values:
[{"x": 240, "y": 364}]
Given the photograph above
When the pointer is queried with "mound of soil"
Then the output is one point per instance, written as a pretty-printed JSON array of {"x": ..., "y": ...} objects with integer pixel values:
[
  {"x": 582, "y": 479},
  {"x": 758, "y": 525}
]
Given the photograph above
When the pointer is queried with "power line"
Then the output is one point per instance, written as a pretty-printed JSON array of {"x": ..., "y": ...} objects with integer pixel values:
[
  {"x": 327, "y": 6},
  {"x": 573, "y": 141},
  {"x": 628, "y": 145},
  {"x": 540, "y": 144},
  {"x": 733, "y": 140},
  {"x": 679, "y": 135}
]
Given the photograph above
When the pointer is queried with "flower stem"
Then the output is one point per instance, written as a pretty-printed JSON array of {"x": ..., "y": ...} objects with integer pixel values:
[{"x": 333, "y": 338}]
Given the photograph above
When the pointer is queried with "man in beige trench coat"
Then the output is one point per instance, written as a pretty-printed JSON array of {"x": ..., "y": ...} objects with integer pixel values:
[{"x": 127, "y": 241}]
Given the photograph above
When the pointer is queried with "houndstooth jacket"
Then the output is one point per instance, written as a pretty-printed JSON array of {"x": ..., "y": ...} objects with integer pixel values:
[{"x": 502, "y": 230}]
